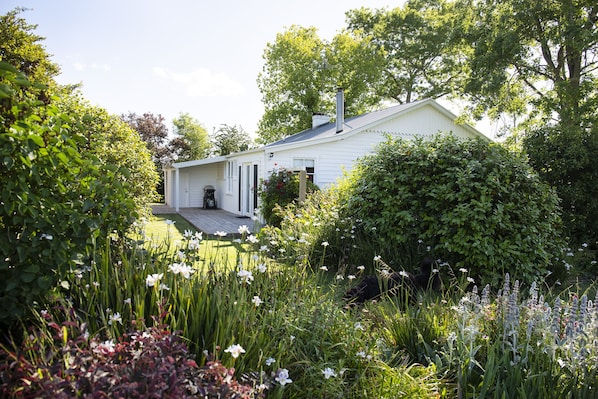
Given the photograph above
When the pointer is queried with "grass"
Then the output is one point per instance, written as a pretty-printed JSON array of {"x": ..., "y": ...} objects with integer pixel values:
[{"x": 170, "y": 229}]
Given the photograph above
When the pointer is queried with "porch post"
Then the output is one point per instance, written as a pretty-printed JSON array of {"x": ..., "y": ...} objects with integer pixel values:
[
  {"x": 302, "y": 185},
  {"x": 176, "y": 190}
]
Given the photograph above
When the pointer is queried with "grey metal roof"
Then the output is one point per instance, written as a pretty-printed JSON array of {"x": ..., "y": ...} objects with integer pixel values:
[{"x": 351, "y": 124}]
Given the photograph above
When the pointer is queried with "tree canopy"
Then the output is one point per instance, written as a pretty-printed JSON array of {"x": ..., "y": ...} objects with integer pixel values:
[
  {"x": 191, "y": 139},
  {"x": 415, "y": 41},
  {"x": 538, "y": 60},
  {"x": 301, "y": 75},
  {"x": 21, "y": 47},
  {"x": 228, "y": 139}
]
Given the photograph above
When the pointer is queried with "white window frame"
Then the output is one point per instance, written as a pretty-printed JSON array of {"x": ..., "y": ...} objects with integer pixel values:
[
  {"x": 231, "y": 170},
  {"x": 300, "y": 163}
]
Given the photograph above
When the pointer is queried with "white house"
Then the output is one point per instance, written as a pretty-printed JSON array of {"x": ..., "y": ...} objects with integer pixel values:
[{"x": 325, "y": 151}]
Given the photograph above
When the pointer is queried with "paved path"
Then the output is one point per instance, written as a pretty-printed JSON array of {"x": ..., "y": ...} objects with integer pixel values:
[{"x": 209, "y": 221}]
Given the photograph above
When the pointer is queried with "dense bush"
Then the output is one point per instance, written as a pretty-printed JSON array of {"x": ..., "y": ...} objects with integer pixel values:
[
  {"x": 567, "y": 161},
  {"x": 54, "y": 202},
  {"x": 281, "y": 188},
  {"x": 115, "y": 144},
  {"x": 474, "y": 204}
]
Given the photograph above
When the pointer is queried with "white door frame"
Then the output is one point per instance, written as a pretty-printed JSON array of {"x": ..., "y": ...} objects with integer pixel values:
[{"x": 247, "y": 188}]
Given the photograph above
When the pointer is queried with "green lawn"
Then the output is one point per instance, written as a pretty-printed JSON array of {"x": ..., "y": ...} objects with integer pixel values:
[{"x": 160, "y": 230}]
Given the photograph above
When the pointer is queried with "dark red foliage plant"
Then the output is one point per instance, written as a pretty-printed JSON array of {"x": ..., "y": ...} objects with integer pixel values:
[{"x": 62, "y": 361}]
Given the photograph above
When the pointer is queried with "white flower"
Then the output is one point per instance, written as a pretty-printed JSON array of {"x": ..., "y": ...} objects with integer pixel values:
[
  {"x": 170, "y": 222},
  {"x": 104, "y": 348},
  {"x": 245, "y": 275},
  {"x": 244, "y": 230},
  {"x": 235, "y": 350},
  {"x": 351, "y": 276},
  {"x": 164, "y": 287},
  {"x": 188, "y": 234},
  {"x": 270, "y": 361},
  {"x": 325, "y": 244},
  {"x": 471, "y": 280},
  {"x": 181, "y": 268},
  {"x": 282, "y": 377},
  {"x": 262, "y": 268},
  {"x": 328, "y": 372},
  {"x": 194, "y": 244},
  {"x": 463, "y": 270},
  {"x": 325, "y": 268},
  {"x": 404, "y": 273},
  {"x": 252, "y": 239},
  {"x": 358, "y": 326},
  {"x": 220, "y": 234},
  {"x": 377, "y": 258},
  {"x": 361, "y": 354},
  {"x": 115, "y": 318},
  {"x": 48, "y": 237},
  {"x": 257, "y": 301},
  {"x": 152, "y": 279},
  {"x": 361, "y": 267},
  {"x": 127, "y": 301},
  {"x": 340, "y": 277}
]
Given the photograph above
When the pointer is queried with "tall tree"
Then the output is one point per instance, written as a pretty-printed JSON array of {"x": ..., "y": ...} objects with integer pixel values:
[
  {"x": 538, "y": 53},
  {"x": 414, "y": 41},
  {"x": 21, "y": 47},
  {"x": 538, "y": 61},
  {"x": 228, "y": 139},
  {"x": 301, "y": 74},
  {"x": 191, "y": 139},
  {"x": 154, "y": 133}
]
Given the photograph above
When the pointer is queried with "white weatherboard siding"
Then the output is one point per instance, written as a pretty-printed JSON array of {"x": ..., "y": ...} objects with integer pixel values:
[
  {"x": 192, "y": 181},
  {"x": 333, "y": 156}
]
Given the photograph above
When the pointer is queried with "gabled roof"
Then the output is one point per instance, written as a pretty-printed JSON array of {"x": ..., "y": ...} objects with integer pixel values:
[
  {"x": 198, "y": 162},
  {"x": 359, "y": 123}
]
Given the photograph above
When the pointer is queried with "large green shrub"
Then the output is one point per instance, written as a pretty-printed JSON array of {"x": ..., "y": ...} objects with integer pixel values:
[
  {"x": 115, "y": 144},
  {"x": 53, "y": 202},
  {"x": 473, "y": 204}
]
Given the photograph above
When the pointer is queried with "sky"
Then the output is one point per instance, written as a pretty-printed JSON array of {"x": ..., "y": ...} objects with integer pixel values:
[{"x": 179, "y": 56}]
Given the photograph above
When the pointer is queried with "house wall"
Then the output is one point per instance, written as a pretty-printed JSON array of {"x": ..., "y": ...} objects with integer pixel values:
[
  {"x": 334, "y": 157},
  {"x": 192, "y": 181},
  {"x": 235, "y": 201}
]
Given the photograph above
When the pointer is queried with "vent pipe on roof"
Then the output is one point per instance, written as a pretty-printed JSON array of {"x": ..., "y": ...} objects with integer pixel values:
[{"x": 340, "y": 110}]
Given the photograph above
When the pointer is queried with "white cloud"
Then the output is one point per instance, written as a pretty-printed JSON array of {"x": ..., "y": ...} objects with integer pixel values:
[
  {"x": 203, "y": 82},
  {"x": 80, "y": 66}
]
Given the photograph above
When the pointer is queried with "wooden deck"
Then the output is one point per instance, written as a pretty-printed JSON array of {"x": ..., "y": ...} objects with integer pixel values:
[{"x": 210, "y": 221}]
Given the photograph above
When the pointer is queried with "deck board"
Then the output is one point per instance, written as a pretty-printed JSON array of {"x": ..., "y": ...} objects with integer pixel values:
[{"x": 211, "y": 221}]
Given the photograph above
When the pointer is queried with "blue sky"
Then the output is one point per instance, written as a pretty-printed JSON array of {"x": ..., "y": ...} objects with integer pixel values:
[{"x": 181, "y": 56}]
